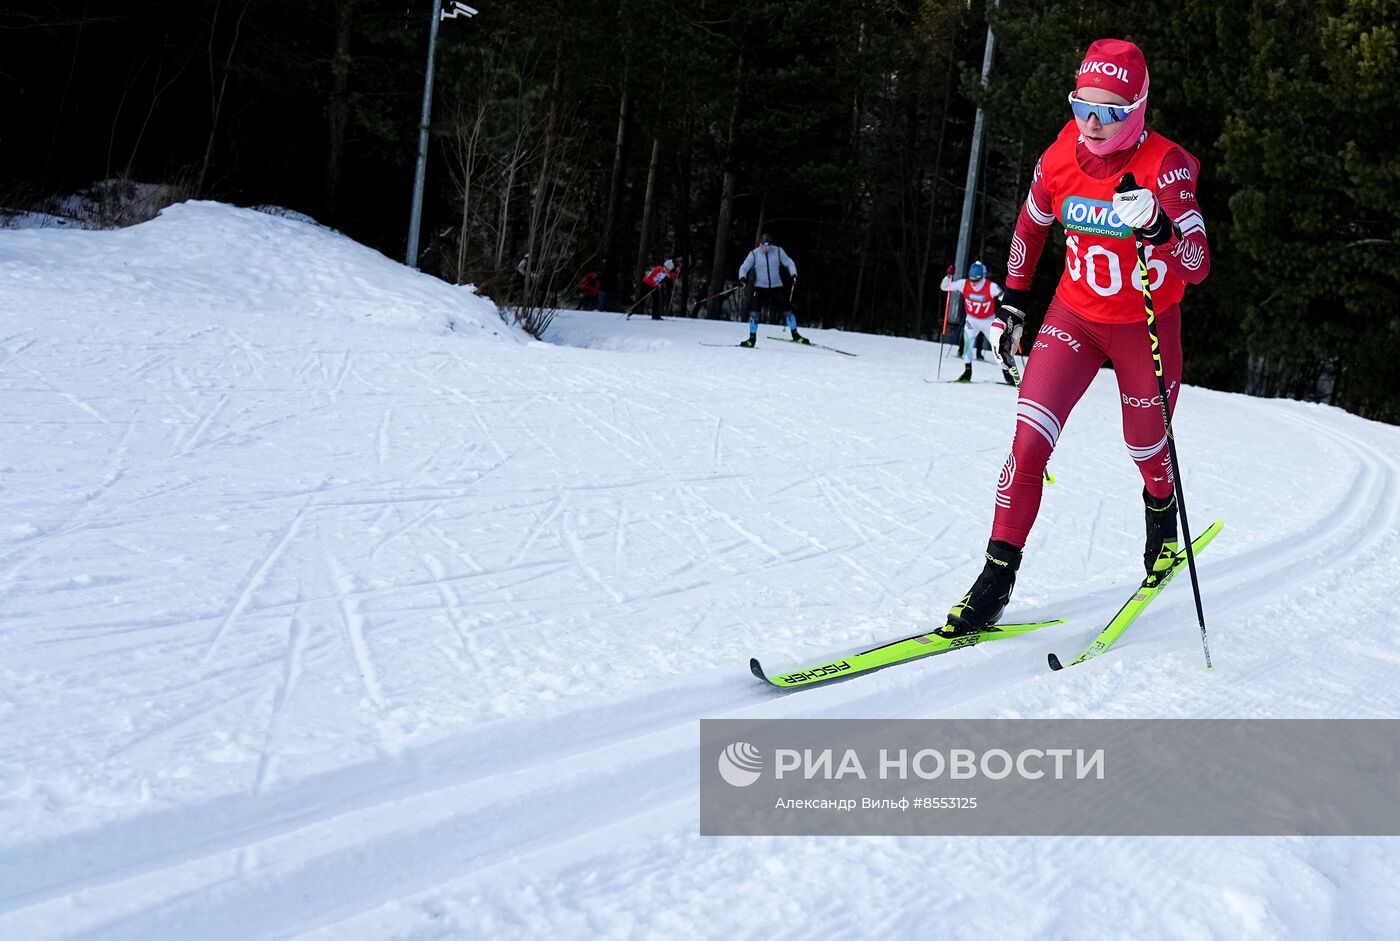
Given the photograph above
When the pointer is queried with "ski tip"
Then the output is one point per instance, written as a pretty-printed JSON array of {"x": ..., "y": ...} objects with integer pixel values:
[
  {"x": 1055, "y": 663},
  {"x": 757, "y": 669}
]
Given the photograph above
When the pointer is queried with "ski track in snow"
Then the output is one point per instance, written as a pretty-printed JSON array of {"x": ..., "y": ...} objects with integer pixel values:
[{"x": 348, "y": 630}]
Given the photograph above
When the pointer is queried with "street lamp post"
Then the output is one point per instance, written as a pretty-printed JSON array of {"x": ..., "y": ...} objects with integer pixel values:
[
  {"x": 415, "y": 217},
  {"x": 974, "y": 166}
]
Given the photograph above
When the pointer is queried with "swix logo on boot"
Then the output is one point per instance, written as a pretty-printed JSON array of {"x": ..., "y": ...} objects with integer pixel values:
[
  {"x": 1093, "y": 216},
  {"x": 1174, "y": 176},
  {"x": 1105, "y": 68},
  {"x": 1063, "y": 336}
]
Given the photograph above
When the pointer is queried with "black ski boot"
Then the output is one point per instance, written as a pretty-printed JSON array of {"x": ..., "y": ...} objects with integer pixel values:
[
  {"x": 1162, "y": 542},
  {"x": 749, "y": 341},
  {"x": 967, "y": 374},
  {"x": 1010, "y": 379},
  {"x": 798, "y": 338},
  {"x": 982, "y": 606}
]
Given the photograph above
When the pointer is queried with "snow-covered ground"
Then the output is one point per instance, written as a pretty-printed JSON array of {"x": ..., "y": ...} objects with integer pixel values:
[{"x": 330, "y": 605}]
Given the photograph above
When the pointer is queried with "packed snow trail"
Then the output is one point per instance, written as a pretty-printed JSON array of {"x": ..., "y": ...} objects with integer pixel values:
[{"x": 332, "y": 606}]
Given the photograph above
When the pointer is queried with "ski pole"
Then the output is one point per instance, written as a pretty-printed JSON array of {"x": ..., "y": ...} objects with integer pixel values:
[
  {"x": 724, "y": 293},
  {"x": 695, "y": 309},
  {"x": 641, "y": 300},
  {"x": 1127, "y": 183},
  {"x": 947, "y": 305}
]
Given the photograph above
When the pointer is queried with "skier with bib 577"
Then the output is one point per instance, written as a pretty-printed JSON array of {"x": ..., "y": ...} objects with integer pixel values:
[
  {"x": 1108, "y": 180},
  {"x": 979, "y": 301}
]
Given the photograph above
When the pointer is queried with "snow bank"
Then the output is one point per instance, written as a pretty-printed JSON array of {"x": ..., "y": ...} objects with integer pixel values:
[
  {"x": 318, "y": 620},
  {"x": 214, "y": 261}
]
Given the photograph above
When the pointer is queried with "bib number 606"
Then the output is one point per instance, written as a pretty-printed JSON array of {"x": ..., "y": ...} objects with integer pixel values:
[{"x": 1106, "y": 278}]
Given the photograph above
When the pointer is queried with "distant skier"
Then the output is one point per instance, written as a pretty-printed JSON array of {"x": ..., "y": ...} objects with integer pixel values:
[
  {"x": 661, "y": 279},
  {"x": 765, "y": 265},
  {"x": 980, "y": 296},
  {"x": 591, "y": 288},
  {"x": 522, "y": 276},
  {"x": 1097, "y": 313}
]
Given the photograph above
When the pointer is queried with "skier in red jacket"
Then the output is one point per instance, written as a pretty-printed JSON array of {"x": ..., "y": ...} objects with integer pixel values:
[
  {"x": 661, "y": 279},
  {"x": 592, "y": 290},
  {"x": 1097, "y": 312}
]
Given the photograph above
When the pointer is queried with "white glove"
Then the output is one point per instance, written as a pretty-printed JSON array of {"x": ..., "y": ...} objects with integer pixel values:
[
  {"x": 1137, "y": 207},
  {"x": 1006, "y": 334}
]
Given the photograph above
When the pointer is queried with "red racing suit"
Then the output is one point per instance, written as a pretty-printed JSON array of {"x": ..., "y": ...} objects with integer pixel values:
[
  {"x": 1097, "y": 314},
  {"x": 656, "y": 275}
]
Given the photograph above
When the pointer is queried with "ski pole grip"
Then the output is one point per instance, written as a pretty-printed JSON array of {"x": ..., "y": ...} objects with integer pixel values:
[{"x": 1128, "y": 182}]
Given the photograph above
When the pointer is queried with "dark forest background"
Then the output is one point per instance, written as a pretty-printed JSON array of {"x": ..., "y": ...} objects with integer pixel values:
[{"x": 611, "y": 135}]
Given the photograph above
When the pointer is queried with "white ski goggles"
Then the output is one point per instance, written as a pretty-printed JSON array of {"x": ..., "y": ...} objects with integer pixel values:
[{"x": 1107, "y": 114}]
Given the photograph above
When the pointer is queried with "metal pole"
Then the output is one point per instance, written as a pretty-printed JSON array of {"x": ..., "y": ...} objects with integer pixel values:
[
  {"x": 974, "y": 166},
  {"x": 1145, "y": 275},
  {"x": 947, "y": 305},
  {"x": 416, "y": 215}
]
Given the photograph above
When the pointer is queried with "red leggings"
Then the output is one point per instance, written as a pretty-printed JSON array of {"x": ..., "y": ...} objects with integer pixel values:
[{"x": 1066, "y": 357}]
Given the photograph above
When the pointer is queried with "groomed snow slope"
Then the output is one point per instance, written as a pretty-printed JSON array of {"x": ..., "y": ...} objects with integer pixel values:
[{"x": 320, "y": 617}]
